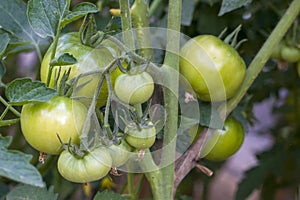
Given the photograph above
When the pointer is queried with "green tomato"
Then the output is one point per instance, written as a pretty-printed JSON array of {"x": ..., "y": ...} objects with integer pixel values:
[
  {"x": 88, "y": 59},
  {"x": 120, "y": 153},
  {"x": 42, "y": 121},
  {"x": 142, "y": 137},
  {"x": 224, "y": 142},
  {"x": 213, "y": 68},
  {"x": 290, "y": 54},
  {"x": 134, "y": 89},
  {"x": 91, "y": 167}
]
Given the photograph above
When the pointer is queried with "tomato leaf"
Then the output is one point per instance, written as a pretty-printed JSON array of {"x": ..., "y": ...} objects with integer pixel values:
[
  {"x": 79, "y": 11},
  {"x": 44, "y": 16},
  {"x": 32, "y": 193},
  {"x": 2, "y": 72},
  {"x": 16, "y": 24},
  {"x": 254, "y": 177},
  {"x": 4, "y": 40},
  {"x": 230, "y": 5},
  {"x": 64, "y": 59},
  {"x": 16, "y": 165},
  {"x": 108, "y": 195},
  {"x": 187, "y": 12},
  {"x": 21, "y": 91}
]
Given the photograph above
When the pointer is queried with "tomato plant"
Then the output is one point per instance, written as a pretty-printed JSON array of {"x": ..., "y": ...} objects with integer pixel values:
[
  {"x": 92, "y": 166},
  {"x": 224, "y": 142},
  {"x": 134, "y": 88},
  {"x": 140, "y": 136},
  {"x": 207, "y": 63},
  {"x": 88, "y": 59},
  {"x": 102, "y": 35},
  {"x": 41, "y": 122}
]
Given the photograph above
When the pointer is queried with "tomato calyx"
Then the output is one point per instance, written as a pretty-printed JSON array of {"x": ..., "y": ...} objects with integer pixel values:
[
  {"x": 72, "y": 148},
  {"x": 231, "y": 38}
]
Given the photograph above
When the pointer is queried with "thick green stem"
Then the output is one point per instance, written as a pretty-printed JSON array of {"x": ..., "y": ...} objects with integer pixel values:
[
  {"x": 126, "y": 24},
  {"x": 140, "y": 21},
  {"x": 263, "y": 55},
  {"x": 171, "y": 76}
]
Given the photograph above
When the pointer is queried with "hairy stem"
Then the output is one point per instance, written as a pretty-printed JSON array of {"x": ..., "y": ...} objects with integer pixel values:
[
  {"x": 126, "y": 24},
  {"x": 171, "y": 77}
]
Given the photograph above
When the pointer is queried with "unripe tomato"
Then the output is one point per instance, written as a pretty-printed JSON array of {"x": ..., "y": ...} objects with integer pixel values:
[
  {"x": 91, "y": 167},
  {"x": 88, "y": 59},
  {"x": 214, "y": 69},
  {"x": 290, "y": 54},
  {"x": 140, "y": 138},
  {"x": 119, "y": 153},
  {"x": 134, "y": 88},
  {"x": 224, "y": 142},
  {"x": 42, "y": 121}
]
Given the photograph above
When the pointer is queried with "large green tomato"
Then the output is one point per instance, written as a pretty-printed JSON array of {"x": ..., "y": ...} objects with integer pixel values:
[
  {"x": 91, "y": 167},
  {"x": 134, "y": 89},
  {"x": 224, "y": 142},
  {"x": 142, "y": 137},
  {"x": 88, "y": 59},
  {"x": 213, "y": 68},
  {"x": 42, "y": 121}
]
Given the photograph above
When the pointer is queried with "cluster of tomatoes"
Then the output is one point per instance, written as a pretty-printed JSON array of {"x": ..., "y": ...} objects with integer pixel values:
[
  {"x": 213, "y": 68},
  {"x": 49, "y": 126},
  {"x": 287, "y": 52}
]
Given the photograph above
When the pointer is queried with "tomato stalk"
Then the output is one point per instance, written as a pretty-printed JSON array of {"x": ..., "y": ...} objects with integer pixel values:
[
  {"x": 263, "y": 55},
  {"x": 126, "y": 24},
  {"x": 83, "y": 136},
  {"x": 55, "y": 43},
  {"x": 171, "y": 75}
]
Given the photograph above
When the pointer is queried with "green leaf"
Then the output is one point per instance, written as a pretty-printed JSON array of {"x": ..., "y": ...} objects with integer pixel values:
[
  {"x": 14, "y": 21},
  {"x": 64, "y": 59},
  {"x": 21, "y": 91},
  {"x": 16, "y": 165},
  {"x": 79, "y": 11},
  {"x": 44, "y": 15},
  {"x": 230, "y": 5},
  {"x": 187, "y": 12},
  {"x": 4, "y": 40},
  {"x": 254, "y": 177},
  {"x": 2, "y": 72},
  {"x": 108, "y": 195},
  {"x": 32, "y": 193}
]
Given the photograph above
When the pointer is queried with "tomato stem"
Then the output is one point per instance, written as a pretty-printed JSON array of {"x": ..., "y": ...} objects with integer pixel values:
[
  {"x": 126, "y": 23},
  {"x": 55, "y": 43},
  {"x": 12, "y": 109}
]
